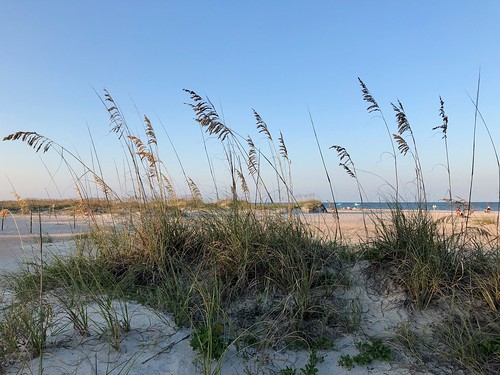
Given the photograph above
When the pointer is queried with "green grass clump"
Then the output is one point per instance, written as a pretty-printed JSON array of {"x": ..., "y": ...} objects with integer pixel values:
[
  {"x": 410, "y": 244},
  {"x": 473, "y": 341},
  {"x": 369, "y": 351},
  {"x": 309, "y": 369},
  {"x": 430, "y": 264},
  {"x": 23, "y": 331},
  {"x": 198, "y": 266},
  {"x": 209, "y": 341}
]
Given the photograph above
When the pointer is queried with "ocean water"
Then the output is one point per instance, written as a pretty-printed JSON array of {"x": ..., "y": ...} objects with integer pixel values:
[{"x": 440, "y": 205}]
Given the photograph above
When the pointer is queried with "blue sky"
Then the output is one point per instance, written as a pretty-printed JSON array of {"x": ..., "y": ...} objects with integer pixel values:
[{"x": 282, "y": 58}]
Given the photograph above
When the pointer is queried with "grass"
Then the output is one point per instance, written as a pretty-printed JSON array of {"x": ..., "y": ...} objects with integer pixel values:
[
  {"x": 198, "y": 268},
  {"x": 369, "y": 351},
  {"x": 473, "y": 340},
  {"x": 309, "y": 369},
  {"x": 409, "y": 244},
  {"x": 23, "y": 330},
  {"x": 247, "y": 274}
]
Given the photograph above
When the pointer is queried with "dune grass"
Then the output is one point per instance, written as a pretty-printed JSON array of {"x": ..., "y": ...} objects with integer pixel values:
[{"x": 244, "y": 273}]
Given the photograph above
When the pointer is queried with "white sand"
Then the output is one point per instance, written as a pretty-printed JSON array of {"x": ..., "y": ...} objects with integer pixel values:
[
  {"x": 154, "y": 345},
  {"x": 20, "y": 238}
]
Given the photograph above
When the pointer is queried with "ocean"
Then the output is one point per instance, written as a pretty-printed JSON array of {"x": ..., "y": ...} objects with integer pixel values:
[{"x": 439, "y": 206}]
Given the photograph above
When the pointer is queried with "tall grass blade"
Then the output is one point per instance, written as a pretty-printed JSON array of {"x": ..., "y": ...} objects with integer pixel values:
[
  {"x": 473, "y": 161},
  {"x": 337, "y": 218}
]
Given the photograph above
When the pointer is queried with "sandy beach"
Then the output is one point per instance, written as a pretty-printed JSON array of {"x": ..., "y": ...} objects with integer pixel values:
[
  {"x": 352, "y": 223},
  {"x": 20, "y": 237}
]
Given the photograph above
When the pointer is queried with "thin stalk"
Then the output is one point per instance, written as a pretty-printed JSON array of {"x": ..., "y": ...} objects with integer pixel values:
[
  {"x": 284, "y": 155},
  {"x": 41, "y": 313},
  {"x": 497, "y": 159},
  {"x": 230, "y": 154},
  {"x": 349, "y": 167},
  {"x": 420, "y": 173},
  {"x": 210, "y": 166},
  {"x": 174, "y": 149},
  {"x": 473, "y": 149},
  {"x": 98, "y": 164},
  {"x": 444, "y": 130},
  {"x": 277, "y": 165},
  {"x": 449, "y": 173},
  {"x": 337, "y": 218},
  {"x": 253, "y": 166}
]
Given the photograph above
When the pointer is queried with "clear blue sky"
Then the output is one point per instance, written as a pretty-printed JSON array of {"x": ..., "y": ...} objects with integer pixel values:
[{"x": 279, "y": 57}]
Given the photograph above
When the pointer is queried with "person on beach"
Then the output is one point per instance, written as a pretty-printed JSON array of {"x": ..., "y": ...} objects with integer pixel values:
[
  {"x": 487, "y": 209},
  {"x": 458, "y": 211}
]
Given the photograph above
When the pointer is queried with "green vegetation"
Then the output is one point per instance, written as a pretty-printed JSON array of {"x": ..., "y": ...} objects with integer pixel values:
[
  {"x": 209, "y": 342},
  {"x": 247, "y": 274},
  {"x": 374, "y": 350},
  {"x": 309, "y": 369}
]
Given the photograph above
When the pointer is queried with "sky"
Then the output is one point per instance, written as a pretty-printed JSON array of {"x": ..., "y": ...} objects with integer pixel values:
[{"x": 289, "y": 60}]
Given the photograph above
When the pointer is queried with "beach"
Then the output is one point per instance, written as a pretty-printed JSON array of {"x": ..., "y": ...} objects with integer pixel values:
[
  {"x": 156, "y": 345},
  {"x": 353, "y": 230}
]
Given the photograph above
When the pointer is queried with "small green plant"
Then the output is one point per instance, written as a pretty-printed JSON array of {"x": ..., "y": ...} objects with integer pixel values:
[
  {"x": 346, "y": 361},
  {"x": 309, "y": 369},
  {"x": 251, "y": 340},
  {"x": 374, "y": 350},
  {"x": 489, "y": 347},
  {"x": 323, "y": 342},
  {"x": 304, "y": 341},
  {"x": 352, "y": 315},
  {"x": 209, "y": 341},
  {"x": 288, "y": 371}
]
